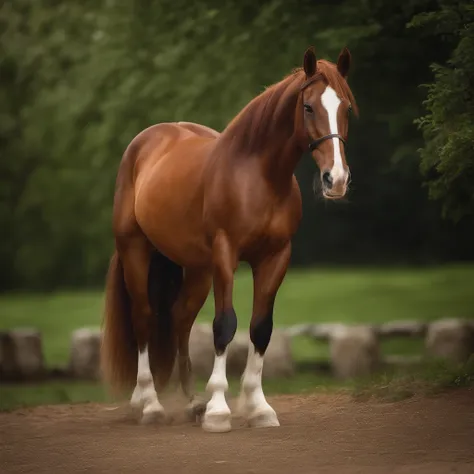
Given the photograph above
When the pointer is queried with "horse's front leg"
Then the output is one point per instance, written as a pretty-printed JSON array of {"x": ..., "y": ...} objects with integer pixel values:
[
  {"x": 217, "y": 418},
  {"x": 269, "y": 273}
]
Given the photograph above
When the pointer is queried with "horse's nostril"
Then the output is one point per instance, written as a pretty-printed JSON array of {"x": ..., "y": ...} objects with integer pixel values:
[{"x": 327, "y": 179}]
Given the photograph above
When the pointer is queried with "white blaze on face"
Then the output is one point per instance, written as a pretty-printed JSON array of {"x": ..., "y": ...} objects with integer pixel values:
[{"x": 331, "y": 103}]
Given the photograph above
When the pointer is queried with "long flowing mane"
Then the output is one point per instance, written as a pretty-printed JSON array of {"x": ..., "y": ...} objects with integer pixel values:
[{"x": 272, "y": 113}]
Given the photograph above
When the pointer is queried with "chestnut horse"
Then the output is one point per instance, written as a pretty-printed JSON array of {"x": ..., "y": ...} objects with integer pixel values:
[{"x": 190, "y": 204}]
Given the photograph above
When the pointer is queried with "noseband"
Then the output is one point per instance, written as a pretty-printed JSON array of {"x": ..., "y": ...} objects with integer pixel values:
[{"x": 315, "y": 143}]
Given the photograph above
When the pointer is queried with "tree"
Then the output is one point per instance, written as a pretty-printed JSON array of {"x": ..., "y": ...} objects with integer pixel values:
[
  {"x": 80, "y": 80},
  {"x": 447, "y": 157}
]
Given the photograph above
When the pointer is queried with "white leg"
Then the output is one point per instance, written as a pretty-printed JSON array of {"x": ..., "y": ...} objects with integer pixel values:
[
  {"x": 217, "y": 416},
  {"x": 252, "y": 403},
  {"x": 144, "y": 396}
]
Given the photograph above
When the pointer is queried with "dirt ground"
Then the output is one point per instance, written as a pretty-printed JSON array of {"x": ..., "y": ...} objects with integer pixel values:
[{"x": 318, "y": 434}]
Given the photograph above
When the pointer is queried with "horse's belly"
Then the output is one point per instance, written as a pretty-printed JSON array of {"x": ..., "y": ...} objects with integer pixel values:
[
  {"x": 168, "y": 208},
  {"x": 186, "y": 247}
]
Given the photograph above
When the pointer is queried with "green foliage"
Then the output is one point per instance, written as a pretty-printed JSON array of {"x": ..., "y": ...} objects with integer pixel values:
[
  {"x": 448, "y": 126},
  {"x": 79, "y": 81}
]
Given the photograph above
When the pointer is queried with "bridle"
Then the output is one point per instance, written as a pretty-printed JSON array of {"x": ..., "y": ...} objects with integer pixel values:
[{"x": 315, "y": 143}]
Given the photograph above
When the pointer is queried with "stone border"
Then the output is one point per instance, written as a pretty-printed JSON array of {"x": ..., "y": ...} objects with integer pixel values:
[
  {"x": 324, "y": 331},
  {"x": 354, "y": 349}
]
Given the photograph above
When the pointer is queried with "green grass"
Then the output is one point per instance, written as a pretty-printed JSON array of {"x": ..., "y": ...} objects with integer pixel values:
[
  {"x": 428, "y": 378},
  {"x": 390, "y": 385},
  {"x": 318, "y": 295},
  {"x": 321, "y": 295},
  {"x": 14, "y": 396}
]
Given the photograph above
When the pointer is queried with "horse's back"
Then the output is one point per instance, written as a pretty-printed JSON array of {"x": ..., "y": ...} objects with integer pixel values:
[
  {"x": 199, "y": 129},
  {"x": 157, "y": 139},
  {"x": 170, "y": 146}
]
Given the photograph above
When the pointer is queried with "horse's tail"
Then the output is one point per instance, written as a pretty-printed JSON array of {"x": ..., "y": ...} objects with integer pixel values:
[
  {"x": 119, "y": 350},
  {"x": 119, "y": 353}
]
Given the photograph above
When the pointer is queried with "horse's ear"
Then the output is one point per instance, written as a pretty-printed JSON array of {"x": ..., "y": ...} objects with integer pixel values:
[
  {"x": 309, "y": 63},
  {"x": 344, "y": 62}
]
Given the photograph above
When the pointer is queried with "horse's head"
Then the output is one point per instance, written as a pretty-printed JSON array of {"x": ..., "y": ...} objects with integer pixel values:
[{"x": 327, "y": 101}]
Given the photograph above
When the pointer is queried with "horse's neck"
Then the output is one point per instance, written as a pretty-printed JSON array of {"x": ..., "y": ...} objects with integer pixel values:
[{"x": 270, "y": 134}]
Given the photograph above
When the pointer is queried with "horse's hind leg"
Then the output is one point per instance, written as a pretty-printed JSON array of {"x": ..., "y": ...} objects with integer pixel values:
[
  {"x": 196, "y": 286},
  {"x": 135, "y": 254}
]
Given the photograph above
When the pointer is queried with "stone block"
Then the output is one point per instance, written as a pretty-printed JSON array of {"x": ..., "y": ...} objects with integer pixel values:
[
  {"x": 84, "y": 362},
  {"x": 21, "y": 354},
  {"x": 451, "y": 339},
  {"x": 354, "y": 352}
]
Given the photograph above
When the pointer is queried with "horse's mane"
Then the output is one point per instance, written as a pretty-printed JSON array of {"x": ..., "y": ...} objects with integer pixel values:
[{"x": 269, "y": 113}]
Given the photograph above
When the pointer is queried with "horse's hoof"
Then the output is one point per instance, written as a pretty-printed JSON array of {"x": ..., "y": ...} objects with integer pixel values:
[
  {"x": 263, "y": 419},
  {"x": 153, "y": 414},
  {"x": 135, "y": 407},
  {"x": 153, "y": 417},
  {"x": 217, "y": 422},
  {"x": 195, "y": 410},
  {"x": 136, "y": 402}
]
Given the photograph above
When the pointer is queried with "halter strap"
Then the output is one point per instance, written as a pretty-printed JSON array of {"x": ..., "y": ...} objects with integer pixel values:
[{"x": 315, "y": 143}]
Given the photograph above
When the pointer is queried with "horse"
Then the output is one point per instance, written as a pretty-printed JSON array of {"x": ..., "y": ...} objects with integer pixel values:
[{"x": 190, "y": 204}]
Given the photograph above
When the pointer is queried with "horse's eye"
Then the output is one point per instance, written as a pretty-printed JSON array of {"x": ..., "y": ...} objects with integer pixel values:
[
  {"x": 308, "y": 108},
  {"x": 349, "y": 110}
]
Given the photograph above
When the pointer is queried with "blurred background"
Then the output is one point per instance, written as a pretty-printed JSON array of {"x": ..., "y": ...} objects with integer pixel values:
[{"x": 80, "y": 79}]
